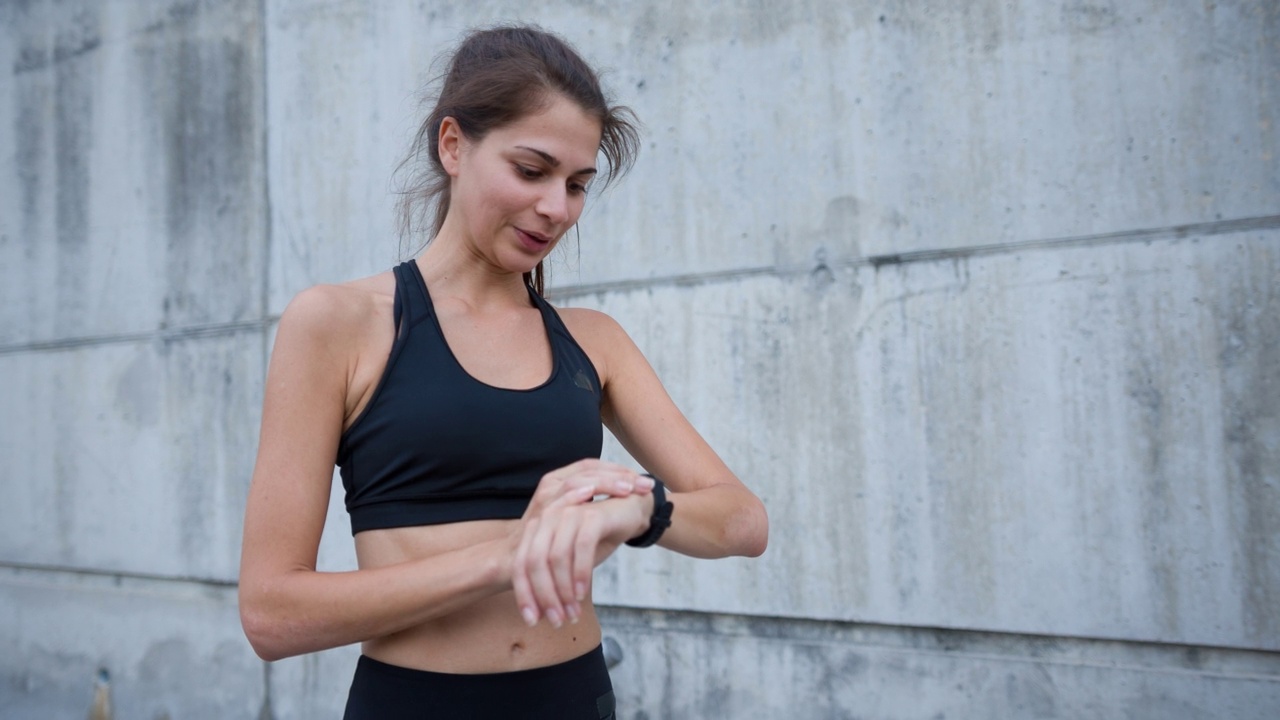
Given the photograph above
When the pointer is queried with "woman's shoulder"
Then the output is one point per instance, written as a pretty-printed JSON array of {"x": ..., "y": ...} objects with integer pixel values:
[
  {"x": 602, "y": 337},
  {"x": 587, "y": 324},
  {"x": 340, "y": 309}
]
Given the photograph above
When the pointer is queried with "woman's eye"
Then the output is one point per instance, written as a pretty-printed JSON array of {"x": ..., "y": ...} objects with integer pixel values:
[{"x": 528, "y": 172}]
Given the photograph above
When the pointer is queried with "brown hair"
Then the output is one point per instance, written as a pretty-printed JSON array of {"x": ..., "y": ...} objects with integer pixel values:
[{"x": 495, "y": 77}]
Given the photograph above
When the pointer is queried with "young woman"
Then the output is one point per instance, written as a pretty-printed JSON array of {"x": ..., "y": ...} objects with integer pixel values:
[{"x": 465, "y": 414}]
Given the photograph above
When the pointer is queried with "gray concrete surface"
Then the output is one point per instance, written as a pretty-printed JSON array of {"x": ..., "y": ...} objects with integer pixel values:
[
  {"x": 172, "y": 649},
  {"x": 680, "y": 665},
  {"x": 981, "y": 297},
  {"x": 1022, "y": 441}
]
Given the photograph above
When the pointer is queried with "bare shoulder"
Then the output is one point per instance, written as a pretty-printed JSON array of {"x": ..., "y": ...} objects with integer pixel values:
[
  {"x": 335, "y": 328},
  {"x": 346, "y": 310},
  {"x": 595, "y": 330},
  {"x": 584, "y": 322},
  {"x": 603, "y": 338},
  {"x": 334, "y": 340}
]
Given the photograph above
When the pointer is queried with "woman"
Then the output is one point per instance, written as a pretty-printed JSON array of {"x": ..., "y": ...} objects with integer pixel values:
[{"x": 465, "y": 414}]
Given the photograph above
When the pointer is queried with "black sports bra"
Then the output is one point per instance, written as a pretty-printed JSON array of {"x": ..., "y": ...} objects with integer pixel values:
[{"x": 435, "y": 445}]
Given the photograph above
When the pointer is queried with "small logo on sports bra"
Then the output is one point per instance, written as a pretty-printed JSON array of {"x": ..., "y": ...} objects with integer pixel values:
[{"x": 582, "y": 381}]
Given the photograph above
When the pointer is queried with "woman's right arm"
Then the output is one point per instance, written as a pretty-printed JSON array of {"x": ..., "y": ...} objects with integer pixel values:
[{"x": 286, "y": 606}]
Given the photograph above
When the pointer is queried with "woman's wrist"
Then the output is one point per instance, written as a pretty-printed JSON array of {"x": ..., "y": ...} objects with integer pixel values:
[
  {"x": 659, "y": 516},
  {"x": 646, "y": 502}
]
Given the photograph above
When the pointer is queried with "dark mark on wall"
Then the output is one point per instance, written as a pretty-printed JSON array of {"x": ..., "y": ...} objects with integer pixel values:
[
  {"x": 31, "y": 124},
  {"x": 73, "y": 130},
  {"x": 204, "y": 113},
  {"x": 1249, "y": 371},
  {"x": 31, "y": 59},
  {"x": 75, "y": 38},
  {"x": 178, "y": 14}
]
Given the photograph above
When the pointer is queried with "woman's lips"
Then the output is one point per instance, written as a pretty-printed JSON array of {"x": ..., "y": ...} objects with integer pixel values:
[{"x": 534, "y": 241}]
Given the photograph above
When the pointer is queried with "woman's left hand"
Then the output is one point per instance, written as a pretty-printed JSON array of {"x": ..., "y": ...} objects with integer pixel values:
[{"x": 560, "y": 546}]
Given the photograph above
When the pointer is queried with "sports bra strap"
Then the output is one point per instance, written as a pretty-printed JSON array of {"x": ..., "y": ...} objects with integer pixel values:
[
  {"x": 549, "y": 315},
  {"x": 399, "y": 305},
  {"x": 411, "y": 299}
]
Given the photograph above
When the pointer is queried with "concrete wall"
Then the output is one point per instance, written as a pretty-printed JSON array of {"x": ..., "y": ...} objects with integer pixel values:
[{"x": 980, "y": 297}]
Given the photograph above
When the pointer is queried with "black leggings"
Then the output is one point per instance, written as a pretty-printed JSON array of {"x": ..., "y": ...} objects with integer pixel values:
[{"x": 578, "y": 689}]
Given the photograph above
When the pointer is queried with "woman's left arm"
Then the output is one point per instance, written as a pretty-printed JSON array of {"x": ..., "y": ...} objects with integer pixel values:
[{"x": 715, "y": 514}]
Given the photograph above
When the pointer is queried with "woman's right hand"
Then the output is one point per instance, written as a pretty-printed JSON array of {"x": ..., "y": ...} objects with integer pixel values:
[{"x": 559, "y": 538}]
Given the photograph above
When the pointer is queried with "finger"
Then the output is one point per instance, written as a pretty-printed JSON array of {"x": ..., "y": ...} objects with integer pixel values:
[
  {"x": 557, "y": 482},
  {"x": 544, "y": 499},
  {"x": 576, "y": 496},
  {"x": 585, "y": 543},
  {"x": 562, "y": 564},
  {"x": 540, "y": 578},
  {"x": 520, "y": 583},
  {"x": 614, "y": 482},
  {"x": 573, "y": 475}
]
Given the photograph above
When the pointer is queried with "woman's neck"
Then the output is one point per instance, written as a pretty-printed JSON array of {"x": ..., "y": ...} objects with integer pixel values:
[{"x": 451, "y": 268}]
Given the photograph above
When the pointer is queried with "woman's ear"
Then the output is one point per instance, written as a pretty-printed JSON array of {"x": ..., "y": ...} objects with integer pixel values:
[{"x": 450, "y": 145}]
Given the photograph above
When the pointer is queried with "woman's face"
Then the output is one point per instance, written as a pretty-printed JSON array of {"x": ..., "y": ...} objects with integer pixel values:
[{"x": 516, "y": 191}]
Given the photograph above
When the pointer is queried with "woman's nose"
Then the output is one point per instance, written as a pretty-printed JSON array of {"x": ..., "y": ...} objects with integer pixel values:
[{"x": 554, "y": 205}]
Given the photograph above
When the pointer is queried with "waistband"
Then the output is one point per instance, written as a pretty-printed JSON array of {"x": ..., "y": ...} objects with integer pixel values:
[
  {"x": 586, "y": 662},
  {"x": 577, "y": 689}
]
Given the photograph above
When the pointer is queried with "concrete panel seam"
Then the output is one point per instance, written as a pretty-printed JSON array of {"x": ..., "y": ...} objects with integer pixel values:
[
  {"x": 1143, "y": 235},
  {"x": 164, "y": 335},
  {"x": 46, "y": 574}
]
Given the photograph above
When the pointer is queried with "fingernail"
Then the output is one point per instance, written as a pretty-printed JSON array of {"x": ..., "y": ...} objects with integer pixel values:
[
  {"x": 574, "y": 613},
  {"x": 645, "y": 482},
  {"x": 624, "y": 486},
  {"x": 580, "y": 589},
  {"x": 530, "y": 617},
  {"x": 553, "y": 617}
]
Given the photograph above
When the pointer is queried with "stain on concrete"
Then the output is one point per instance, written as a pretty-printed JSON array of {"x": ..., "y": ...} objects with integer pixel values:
[
  {"x": 74, "y": 37},
  {"x": 267, "y": 711},
  {"x": 188, "y": 372},
  {"x": 1030, "y": 695},
  {"x": 1249, "y": 359},
  {"x": 49, "y": 683},
  {"x": 178, "y": 14},
  {"x": 1158, "y": 503},
  {"x": 836, "y": 675},
  {"x": 164, "y": 660},
  {"x": 30, "y": 123},
  {"x": 209, "y": 133},
  {"x": 753, "y": 23},
  {"x": 1090, "y": 17},
  {"x": 1152, "y": 707},
  {"x": 138, "y": 392},
  {"x": 66, "y": 470},
  {"x": 841, "y": 227},
  {"x": 821, "y": 276},
  {"x": 73, "y": 115}
]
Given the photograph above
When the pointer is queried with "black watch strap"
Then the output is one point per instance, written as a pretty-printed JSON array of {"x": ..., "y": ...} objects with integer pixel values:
[{"x": 661, "y": 518}]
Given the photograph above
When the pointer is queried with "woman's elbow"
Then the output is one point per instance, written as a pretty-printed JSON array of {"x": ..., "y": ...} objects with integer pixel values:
[
  {"x": 750, "y": 530},
  {"x": 260, "y": 637},
  {"x": 264, "y": 631}
]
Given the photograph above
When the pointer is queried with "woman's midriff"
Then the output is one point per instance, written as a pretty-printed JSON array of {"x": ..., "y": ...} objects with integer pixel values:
[{"x": 488, "y": 635}]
